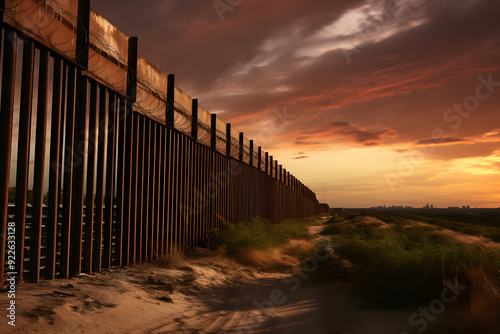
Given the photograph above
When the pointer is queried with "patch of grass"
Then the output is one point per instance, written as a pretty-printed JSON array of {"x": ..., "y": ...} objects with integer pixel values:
[
  {"x": 342, "y": 214},
  {"x": 405, "y": 264},
  {"x": 173, "y": 259},
  {"x": 478, "y": 311},
  {"x": 477, "y": 222},
  {"x": 331, "y": 229},
  {"x": 258, "y": 234},
  {"x": 466, "y": 226},
  {"x": 300, "y": 248},
  {"x": 389, "y": 218},
  {"x": 397, "y": 266}
]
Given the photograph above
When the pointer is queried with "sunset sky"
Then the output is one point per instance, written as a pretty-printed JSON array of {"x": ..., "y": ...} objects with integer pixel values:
[{"x": 385, "y": 102}]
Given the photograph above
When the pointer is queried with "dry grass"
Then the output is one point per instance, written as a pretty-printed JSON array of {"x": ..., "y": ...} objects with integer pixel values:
[
  {"x": 270, "y": 259},
  {"x": 479, "y": 308},
  {"x": 299, "y": 247},
  {"x": 277, "y": 258},
  {"x": 173, "y": 259}
]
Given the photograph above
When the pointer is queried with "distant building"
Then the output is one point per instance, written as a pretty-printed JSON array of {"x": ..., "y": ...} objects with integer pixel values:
[{"x": 391, "y": 207}]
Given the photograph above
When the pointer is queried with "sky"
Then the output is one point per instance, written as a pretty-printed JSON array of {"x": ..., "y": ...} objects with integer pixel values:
[{"x": 367, "y": 102}]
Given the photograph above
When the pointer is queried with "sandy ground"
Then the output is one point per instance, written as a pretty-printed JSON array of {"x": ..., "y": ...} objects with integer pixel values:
[
  {"x": 199, "y": 294},
  {"x": 212, "y": 297}
]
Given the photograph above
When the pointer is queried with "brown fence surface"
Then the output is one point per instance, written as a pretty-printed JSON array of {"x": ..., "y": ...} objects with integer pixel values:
[{"x": 104, "y": 161}]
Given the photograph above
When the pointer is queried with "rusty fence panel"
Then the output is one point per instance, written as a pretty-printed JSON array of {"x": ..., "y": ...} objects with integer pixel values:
[
  {"x": 123, "y": 187},
  {"x": 67, "y": 166},
  {"x": 23, "y": 150}
]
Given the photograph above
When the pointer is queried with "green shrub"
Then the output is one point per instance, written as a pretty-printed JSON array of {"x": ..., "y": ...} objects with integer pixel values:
[
  {"x": 331, "y": 229},
  {"x": 485, "y": 222},
  {"x": 258, "y": 234},
  {"x": 409, "y": 264}
]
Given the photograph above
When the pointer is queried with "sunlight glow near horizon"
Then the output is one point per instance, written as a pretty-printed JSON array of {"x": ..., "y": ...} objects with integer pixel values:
[{"x": 358, "y": 175}]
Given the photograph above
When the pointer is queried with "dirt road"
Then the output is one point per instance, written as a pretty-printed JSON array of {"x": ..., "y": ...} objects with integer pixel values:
[{"x": 200, "y": 294}]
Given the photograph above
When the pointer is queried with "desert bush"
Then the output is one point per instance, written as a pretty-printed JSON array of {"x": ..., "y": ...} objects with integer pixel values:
[
  {"x": 479, "y": 222},
  {"x": 478, "y": 309},
  {"x": 400, "y": 266},
  {"x": 258, "y": 234}
]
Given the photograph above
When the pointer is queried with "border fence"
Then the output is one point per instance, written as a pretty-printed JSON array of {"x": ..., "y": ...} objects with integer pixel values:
[{"x": 104, "y": 161}]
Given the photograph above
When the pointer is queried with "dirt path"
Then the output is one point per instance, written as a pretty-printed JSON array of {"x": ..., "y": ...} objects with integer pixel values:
[
  {"x": 311, "y": 308},
  {"x": 202, "y": 294},
  {"x": 316, "y": 229},
  {"x": 284, "y": 303}
]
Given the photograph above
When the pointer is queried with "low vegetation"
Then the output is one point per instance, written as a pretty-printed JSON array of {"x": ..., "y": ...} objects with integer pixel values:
[
  {"x": 404, "y": 264},
  {"x": 248, "y": 242},
  {"x": 389, "y": 261},
  {"x": 477, "y": 222}
]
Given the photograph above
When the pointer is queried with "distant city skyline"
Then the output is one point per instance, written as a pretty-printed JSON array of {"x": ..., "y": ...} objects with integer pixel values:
[
  {"x": 427, "y": 206},
  {"x": 364, "y": 202}
]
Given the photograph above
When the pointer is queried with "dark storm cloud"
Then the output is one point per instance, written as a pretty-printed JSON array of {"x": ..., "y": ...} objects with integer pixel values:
[
  {"x": 355, "y": 133},
  {"x": 341, "y": 124}
]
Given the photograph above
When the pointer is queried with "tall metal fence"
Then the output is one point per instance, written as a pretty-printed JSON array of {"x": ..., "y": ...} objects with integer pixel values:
[{"x": 104, "y": 161}]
